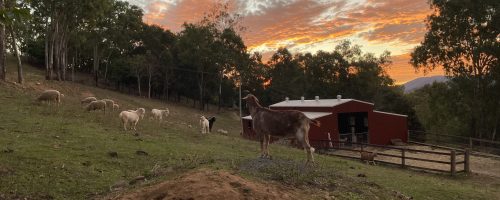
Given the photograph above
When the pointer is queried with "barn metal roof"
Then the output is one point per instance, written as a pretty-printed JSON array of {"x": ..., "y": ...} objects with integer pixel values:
[
  {"x": 310, "y": 115},
  {"x": 315, "y": 103},
  {"x": 388, "y": 113}
]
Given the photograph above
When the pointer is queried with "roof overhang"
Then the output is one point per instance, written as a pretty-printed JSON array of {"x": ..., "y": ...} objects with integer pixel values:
[
  {"x": 388, "y": 113},
  {"x": 310, "y": 115}
]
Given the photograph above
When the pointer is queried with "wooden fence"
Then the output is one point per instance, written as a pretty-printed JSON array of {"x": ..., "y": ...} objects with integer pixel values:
[
  {"x": 329, "y": 148},
  {"x": 474, "y": 144}
]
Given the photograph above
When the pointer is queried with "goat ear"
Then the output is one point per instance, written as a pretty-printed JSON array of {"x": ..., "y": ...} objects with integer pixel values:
[{"x": 246, "y": 97}]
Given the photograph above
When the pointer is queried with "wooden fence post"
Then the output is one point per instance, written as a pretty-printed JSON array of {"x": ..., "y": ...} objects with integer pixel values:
[
  {"x": 453, "y": 162},
  {"x": 470, "y": 143},
  {"x": 466, "y": 161},
  {"x": 403, "y": 164}
]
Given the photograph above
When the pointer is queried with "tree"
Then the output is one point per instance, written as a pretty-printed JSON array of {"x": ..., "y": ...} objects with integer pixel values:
[
  {"x": 463, "y": 39},
  {"x": 287, "y": 77},
  {"x": 138, "y": 64},
  {"x": 3, "y": 68},
  {"x": 13, "y": 15}
]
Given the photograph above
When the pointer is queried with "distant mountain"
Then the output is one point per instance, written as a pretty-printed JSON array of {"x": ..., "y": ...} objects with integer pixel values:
[{"x": 421, "y": 82}]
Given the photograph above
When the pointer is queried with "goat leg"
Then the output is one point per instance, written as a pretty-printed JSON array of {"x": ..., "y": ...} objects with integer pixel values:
[
  {"x": 262, "y": 140},
  {"x": 268, "y": 140}
]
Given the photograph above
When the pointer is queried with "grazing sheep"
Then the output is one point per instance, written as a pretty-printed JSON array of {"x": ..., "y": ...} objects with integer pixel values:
[
  {"x": 109, "y": 102},
  {"x": 368, "y": 157},
  {"x": 96, "y": 105},
  {"x": 88, "y": 100},
  {"x": 116, "y": 106},
  {"x": 50, "y": 96},
  {"x": 158, "y": 114},
  {"x": 281, "y": 124},
  {"x": 131, "y": 117},
  {"x": 204, "y": 124}
]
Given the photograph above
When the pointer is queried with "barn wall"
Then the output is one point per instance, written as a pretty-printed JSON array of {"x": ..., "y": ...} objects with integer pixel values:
[
  {"x": 384, "y": 127},
  {"x": 321, "y": 133},
  {"x": 351, "y": 107},
  {"x": 329, "y": 123}
]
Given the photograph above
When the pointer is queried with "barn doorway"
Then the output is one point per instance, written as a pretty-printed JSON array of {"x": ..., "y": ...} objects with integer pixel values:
[{"x": 356, "y": 122}]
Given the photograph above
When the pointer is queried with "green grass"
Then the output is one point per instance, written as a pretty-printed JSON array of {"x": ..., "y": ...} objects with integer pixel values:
[{"x": 62, "y": 153}]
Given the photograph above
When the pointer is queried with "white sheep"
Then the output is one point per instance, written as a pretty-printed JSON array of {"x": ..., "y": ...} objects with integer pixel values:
[
  {"x": 88, "y": 100},
  {"x": 96, "y": 105},
  {"x": 116, "y": 107},
  {"x": 158, "y": 114},
  {"x": 131, "y": 117},
  {"x": 143, "y": 112},
  {"x": 205, "y": 125},
  {"x": 50, "y": 96},
  {"x": 109, "y": 103}
]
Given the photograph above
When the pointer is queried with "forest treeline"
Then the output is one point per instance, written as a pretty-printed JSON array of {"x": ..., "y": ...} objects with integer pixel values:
[{"x": 208, "y": 60}]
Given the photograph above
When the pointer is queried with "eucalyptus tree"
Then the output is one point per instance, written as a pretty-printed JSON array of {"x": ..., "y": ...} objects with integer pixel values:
[
  {"x": 195, "y": 54},
  {"x": 3, "y": 68},
  {"x": 13, "y": 15},
  {"x": 463, "y": 38}
]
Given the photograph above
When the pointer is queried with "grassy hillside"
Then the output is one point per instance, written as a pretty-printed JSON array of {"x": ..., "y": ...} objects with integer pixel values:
[{"x": 63, "y": 153}]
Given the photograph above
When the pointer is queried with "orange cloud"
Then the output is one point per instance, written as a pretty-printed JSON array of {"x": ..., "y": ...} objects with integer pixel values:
[
  {"x": 171, "y": 15},
  {"x": 306, "y": 25}
]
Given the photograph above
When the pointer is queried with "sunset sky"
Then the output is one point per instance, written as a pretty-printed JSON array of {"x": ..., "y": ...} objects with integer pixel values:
[{"x": 312, "y": 25}]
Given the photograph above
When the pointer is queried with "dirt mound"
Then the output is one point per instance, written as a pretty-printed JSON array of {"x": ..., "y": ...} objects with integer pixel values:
[{"x": 208, "y": 184}]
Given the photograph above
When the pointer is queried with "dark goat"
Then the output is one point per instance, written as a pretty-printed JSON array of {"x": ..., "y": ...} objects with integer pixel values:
[
  {"x": 211, "y": 121},
  {"x": 282, "y": 124}
]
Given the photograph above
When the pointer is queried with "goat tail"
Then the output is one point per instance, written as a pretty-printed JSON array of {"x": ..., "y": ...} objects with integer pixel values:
[{"x": 315, "y": 122}]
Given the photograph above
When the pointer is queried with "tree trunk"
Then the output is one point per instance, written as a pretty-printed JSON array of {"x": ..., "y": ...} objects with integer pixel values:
[
  {"x": 64, "y": 57},
  {"x": 96, "y": 64},
  {"x": 201, "y": 90},
  {"x": 47, "y": 38},
  {"x": 106, "y": 68},
  {"x": 20, "y": 78},
  {"x": 3, "y": 67},
  {"x": 73, "y": 69},
  {"x": 51, "y": 54},
  {"x": 57, "y": 55},
  {"x": 165, "y": 85},
  {"x": 139, "y": 83},
  {"x": 220, "y": 92},
  {"x": 150, "y": 74}
]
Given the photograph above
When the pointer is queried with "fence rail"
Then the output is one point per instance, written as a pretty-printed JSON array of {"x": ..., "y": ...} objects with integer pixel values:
[
  {"x": 328, "y": 145},
  {"x": 476, "y": 145}
]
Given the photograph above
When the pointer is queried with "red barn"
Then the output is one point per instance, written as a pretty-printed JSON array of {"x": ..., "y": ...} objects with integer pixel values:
[{"x": 343, "y": 119}]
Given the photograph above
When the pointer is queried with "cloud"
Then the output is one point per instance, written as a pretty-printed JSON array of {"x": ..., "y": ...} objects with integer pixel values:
[
  {"x": 311, "y": 25},
  {"x": 172, "y": 14},
  {"x": 410, "y": 33}
]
